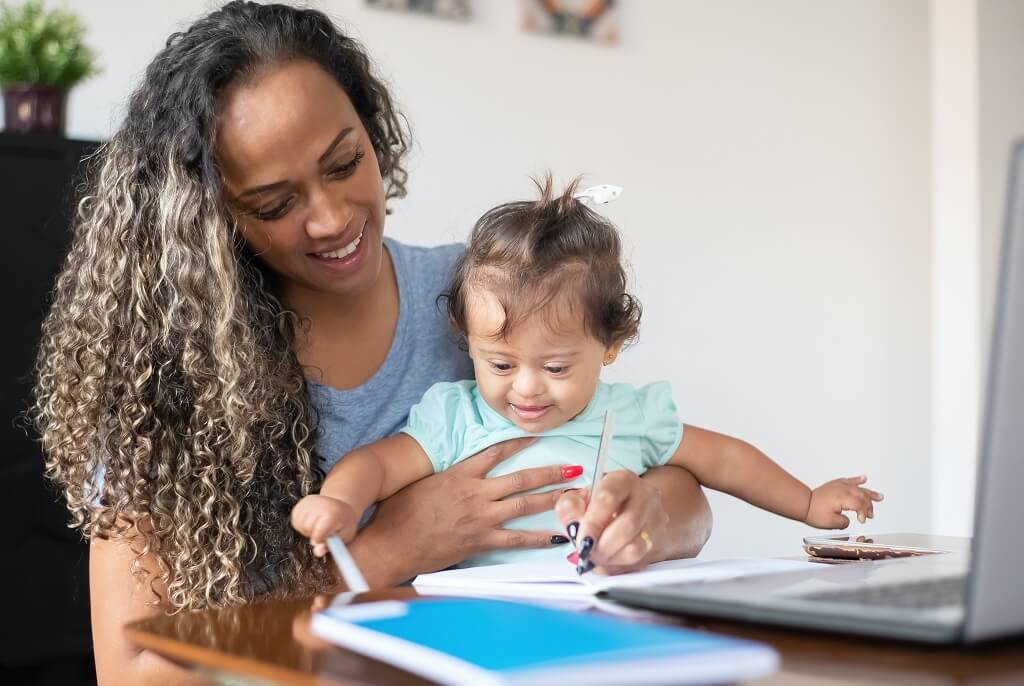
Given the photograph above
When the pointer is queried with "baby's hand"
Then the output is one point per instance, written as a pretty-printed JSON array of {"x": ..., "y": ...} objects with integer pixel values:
[
  {"x": 318, "y": 516},
  {"x": 829, "y": 500}
]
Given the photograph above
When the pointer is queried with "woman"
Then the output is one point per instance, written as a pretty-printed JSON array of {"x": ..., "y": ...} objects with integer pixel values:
[{"x": 230, "y": 320}]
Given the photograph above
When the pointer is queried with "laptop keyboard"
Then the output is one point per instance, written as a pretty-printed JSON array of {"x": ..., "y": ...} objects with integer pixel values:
[{"x": 931, "y": 593}]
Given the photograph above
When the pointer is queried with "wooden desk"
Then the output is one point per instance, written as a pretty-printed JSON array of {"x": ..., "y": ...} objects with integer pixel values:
[{"x": 270, "y": 644}]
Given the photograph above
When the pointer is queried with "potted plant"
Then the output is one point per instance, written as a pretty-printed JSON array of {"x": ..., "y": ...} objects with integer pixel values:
[{"x": 42, "y": 56}]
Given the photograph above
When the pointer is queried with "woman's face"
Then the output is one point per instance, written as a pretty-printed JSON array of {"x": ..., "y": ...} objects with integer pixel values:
[{"x": 302, "y": 180}]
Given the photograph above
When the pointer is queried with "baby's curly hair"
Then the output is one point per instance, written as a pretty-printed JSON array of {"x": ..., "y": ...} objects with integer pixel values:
[{"x": 551, "y": 251}]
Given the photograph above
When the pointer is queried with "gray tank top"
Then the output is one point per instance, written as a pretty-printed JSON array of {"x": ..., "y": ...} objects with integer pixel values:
[{"x": 423, "y": 352}]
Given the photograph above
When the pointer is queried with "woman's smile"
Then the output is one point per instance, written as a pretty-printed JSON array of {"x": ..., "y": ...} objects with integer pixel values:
[{"x": 345, "y": 259}]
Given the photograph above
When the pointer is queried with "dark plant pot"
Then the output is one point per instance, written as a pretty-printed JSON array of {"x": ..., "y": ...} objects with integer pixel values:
[{"x": 34, "y": 108}]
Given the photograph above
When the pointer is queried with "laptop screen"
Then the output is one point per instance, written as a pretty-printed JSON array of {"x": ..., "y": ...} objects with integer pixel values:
[{"x": 995, "y": 601}]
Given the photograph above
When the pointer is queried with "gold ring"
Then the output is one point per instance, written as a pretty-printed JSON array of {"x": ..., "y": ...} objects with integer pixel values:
[{"x": 648, "y": 543}]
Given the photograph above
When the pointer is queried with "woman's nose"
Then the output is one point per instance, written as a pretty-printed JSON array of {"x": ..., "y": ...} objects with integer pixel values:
[{"x": 329, "y": 214}]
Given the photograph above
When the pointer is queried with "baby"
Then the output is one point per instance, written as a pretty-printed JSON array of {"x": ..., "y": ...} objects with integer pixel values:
[{"x": 540, "y": 299}]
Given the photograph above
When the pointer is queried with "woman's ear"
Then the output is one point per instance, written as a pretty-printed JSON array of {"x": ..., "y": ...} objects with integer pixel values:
[{"x": 612, "y": 352}]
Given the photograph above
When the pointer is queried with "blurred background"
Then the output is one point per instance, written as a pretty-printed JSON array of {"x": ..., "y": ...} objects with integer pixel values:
[{"x": 813, "y": 203}]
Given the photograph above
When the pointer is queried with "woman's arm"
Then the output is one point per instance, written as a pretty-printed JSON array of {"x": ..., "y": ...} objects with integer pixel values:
[
  {"x": 116, "y": 598},
  {"x": 689, "y": 514},
  {"x": 443, "y": 519}
]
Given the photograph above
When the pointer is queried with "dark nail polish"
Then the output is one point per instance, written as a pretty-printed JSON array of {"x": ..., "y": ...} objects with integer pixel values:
[
  {"x": 584, "y": 567},
  {"x": 585, "y": 548},
  {"x": 559, "y": 539},
  {"x": 572, "y": 530}
]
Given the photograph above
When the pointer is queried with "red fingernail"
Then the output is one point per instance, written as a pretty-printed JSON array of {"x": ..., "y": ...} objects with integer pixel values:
[
  {"x": 572, "y": 471},
  {"x": 573, "y": 558}
]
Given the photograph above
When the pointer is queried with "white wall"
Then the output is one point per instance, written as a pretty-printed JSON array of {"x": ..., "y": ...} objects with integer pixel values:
[
  {"x": 775, "y": 158},
  {"x": 977, "y": 114},
  {"x": 956, "y": 295}
]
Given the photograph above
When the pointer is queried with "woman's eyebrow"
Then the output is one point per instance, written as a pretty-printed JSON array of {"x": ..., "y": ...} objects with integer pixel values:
[
  {"x": 255, "y": 190},
  {"x": 337, "y": 139}
]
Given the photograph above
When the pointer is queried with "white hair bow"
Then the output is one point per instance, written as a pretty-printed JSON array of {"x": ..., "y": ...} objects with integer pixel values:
[{"x": 598, "y": 195}]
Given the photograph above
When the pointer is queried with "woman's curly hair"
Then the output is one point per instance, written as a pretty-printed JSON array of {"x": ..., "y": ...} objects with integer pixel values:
[{"x": 169, "y": 399}]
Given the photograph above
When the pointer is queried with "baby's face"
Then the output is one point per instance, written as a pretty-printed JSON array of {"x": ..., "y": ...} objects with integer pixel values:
[{"x": 537, "y": 377}]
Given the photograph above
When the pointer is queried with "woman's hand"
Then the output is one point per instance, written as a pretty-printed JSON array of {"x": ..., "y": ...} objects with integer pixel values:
[
  {"x": 622, "y": 524},
  {"x": 443, "y": 519}
]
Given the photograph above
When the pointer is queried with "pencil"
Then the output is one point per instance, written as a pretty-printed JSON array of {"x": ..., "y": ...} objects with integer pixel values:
[{"x": 583, "y": 565}]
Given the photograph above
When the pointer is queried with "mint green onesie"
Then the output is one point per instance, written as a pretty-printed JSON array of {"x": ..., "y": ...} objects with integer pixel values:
[{"x": 453, "y": 422}]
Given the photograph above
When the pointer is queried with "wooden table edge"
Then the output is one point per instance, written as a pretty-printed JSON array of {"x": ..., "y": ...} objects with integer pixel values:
[{"x": 211, "y": 658}]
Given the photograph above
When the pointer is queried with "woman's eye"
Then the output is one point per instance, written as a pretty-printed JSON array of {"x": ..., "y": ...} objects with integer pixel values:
[
  {"x": 556, "y": 370},
  {"x": 279, "y": 210},
  {"x": 346, "y": 170},
  {"x": 276, "y": 211}
]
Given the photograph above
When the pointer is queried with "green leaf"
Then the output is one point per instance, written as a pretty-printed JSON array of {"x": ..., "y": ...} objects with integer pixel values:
[{"x": 43, "y": 47}]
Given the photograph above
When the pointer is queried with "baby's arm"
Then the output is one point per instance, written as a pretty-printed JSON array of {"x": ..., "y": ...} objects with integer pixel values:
[
  {"x": 735, "y": 467},
  {"x": 364, "y": 476}
]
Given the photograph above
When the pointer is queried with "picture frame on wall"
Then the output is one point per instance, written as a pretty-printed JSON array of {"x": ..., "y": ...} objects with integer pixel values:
[
  {"x": 459, "y": 10},
  {"x": 593, "y": 20}
]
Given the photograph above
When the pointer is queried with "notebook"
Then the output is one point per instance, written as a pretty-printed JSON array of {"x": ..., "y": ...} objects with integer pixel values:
[
  {"x": 485, "y": 642},
  {"x": 558, "y": 579}
]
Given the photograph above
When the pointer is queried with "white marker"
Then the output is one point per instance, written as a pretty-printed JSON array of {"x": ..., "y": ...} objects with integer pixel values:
[{"x": 347, "y": 566}]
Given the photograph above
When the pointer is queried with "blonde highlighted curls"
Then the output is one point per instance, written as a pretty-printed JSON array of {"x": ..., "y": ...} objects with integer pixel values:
[
  {"x": 171, "y": 406},
  {"x": 166, "y": 363}
]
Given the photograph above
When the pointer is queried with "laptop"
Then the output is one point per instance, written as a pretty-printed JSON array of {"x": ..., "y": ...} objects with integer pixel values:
[{"x": 942, "y": 598}]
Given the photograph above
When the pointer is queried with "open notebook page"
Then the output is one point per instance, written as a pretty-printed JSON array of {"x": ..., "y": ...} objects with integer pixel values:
[{"x": 559, "y": 579}]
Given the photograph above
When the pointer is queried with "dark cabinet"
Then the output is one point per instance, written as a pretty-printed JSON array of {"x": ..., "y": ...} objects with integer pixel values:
[{"x": 44, "y": 635}]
